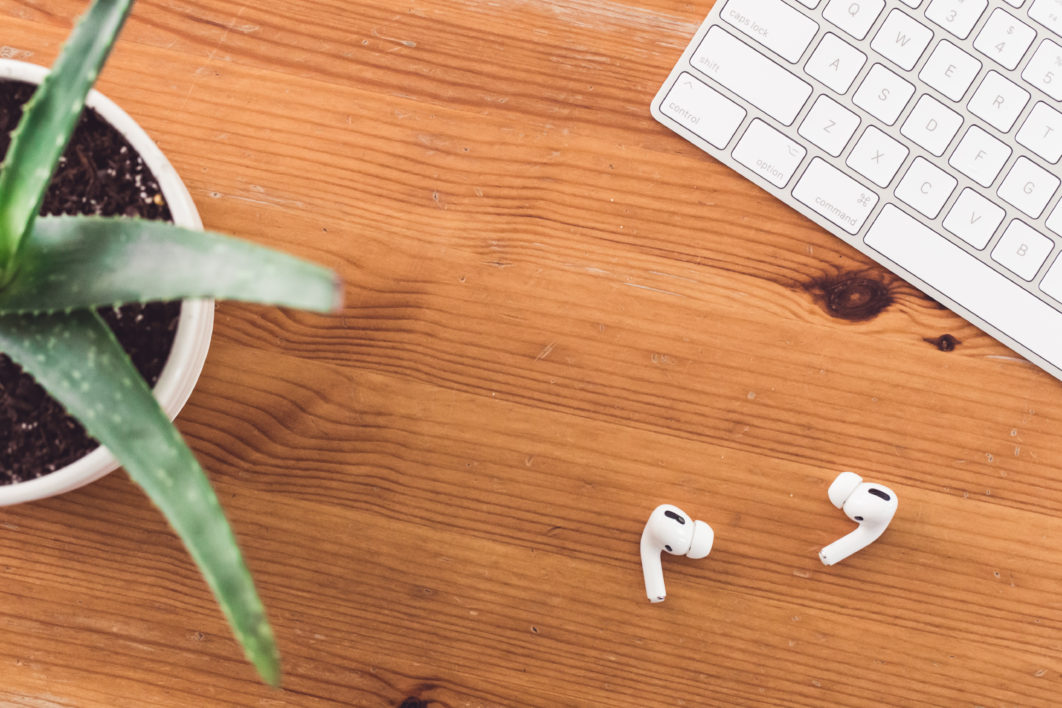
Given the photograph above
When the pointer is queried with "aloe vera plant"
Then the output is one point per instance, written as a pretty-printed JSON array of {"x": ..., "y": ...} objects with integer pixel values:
[{"x": 55, "y": 272}]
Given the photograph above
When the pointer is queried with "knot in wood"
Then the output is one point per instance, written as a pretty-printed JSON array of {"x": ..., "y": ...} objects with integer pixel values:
[
  {"x": 945, "y": 342},
  {"x": 851, "y": 297}
]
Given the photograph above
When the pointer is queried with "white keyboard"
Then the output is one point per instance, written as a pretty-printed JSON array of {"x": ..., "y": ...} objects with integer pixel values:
[{"x": 925, "y": 133}]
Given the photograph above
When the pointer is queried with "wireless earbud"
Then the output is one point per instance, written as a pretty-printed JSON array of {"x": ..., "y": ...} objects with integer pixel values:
[
  {"x": 671, "y": 529},
  {"x": 872, "y": 506}
]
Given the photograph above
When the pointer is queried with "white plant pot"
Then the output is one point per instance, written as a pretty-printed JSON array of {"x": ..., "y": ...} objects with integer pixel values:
[{"x": 194, "y": 327}]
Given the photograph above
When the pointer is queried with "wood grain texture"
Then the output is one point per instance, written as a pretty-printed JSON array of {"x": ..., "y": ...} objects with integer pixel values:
[{"x": 558, "y": 315}]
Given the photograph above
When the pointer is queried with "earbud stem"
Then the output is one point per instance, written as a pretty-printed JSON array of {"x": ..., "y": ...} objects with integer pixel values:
[
  {"x": 845, "y": 546},
  {"x": 652, "y": 570}
]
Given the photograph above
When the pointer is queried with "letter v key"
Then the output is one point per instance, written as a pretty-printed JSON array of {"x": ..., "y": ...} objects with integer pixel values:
[{"x": 974, "y": 219}]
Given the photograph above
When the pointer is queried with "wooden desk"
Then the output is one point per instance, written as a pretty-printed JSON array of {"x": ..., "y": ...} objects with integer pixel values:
[{"x": 559, "y": 315}]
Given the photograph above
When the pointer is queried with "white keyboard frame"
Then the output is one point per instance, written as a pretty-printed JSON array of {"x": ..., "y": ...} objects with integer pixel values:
[{"x": 886, "y": 195}]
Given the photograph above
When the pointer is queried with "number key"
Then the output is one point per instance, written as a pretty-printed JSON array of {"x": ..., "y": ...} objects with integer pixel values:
[
  {"x": 1045, "y": 69},
  {"x": 1004, "y": 39},
  {"x": 956, "y": 16}
]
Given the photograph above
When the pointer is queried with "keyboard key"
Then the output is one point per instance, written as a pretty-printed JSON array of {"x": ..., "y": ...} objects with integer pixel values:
[
  {"x": 913, "y": 4},
  {"x": 1028, "y": 187},
  {"x": 702, "y": 110},
  {"x": 901, "y": 39},
  {"x": 829, "y": 125},
  {"x": 883, "y": 94},
  {"x": 932, "y": 125},
  {"x": 979, "y": 156},
  {"x": 1048, "y": 13},
  {"x": 968, "y": 282},
  {"x": 877, "y": 157},
  {"x": 1022, "y": 250},
  {"x": 974, "y": 219},
  {"x": 853, "y": 16},
  {"x": 1044, "y": 70},
  {"x": 1052, "y": 282},
  {"x": 835, "y": 195},
  {"x": 1054, "y": 222},
  {"x": 925, "y": 187},
  {"x": 1004, "y": 39},
  {"x": 956, "y": 16},
  {"x": 774, "y": 24},
  {"x": 1042, "y": 132},
  {"x": 810, "y": 4},
  {"x": 769, "y": 153},
  {"x": 835, "y": 63},
  {"x": 998, "y": 101},
  {"x": 950, "y": 70},
  {"x": 751, "y": 75}
]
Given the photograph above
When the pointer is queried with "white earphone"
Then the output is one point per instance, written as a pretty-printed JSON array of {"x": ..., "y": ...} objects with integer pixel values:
[
  {"x": 872, "y": 506},
  {"x": 670, "y": 529}
]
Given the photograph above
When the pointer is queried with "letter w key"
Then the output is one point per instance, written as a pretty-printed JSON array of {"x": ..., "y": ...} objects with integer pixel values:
[{"x": 901, "y": 39}]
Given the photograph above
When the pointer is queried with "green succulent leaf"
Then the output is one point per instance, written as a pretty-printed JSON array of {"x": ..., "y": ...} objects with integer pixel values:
[
  {"x": 48, "y": 121},
  {"x": 77, "y": 262},
  {"x": 78, "y": 360}
]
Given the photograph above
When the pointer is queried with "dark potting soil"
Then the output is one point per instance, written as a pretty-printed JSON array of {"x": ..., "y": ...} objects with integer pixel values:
[{"x": 99, "y": 174}]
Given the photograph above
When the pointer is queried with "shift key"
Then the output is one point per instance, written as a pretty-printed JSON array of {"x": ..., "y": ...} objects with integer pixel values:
[{"x": 751, "y": 75}]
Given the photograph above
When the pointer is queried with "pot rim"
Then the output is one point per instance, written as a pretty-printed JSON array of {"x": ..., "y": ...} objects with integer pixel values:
[{"x": 194, "y": 327}]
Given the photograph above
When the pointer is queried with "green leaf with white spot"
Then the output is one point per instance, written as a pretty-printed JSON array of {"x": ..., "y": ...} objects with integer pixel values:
[
  {"x": 77, "y": 262},
  {"x": 77, "y": 359},
  {"x": 48, "y": 121}
]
